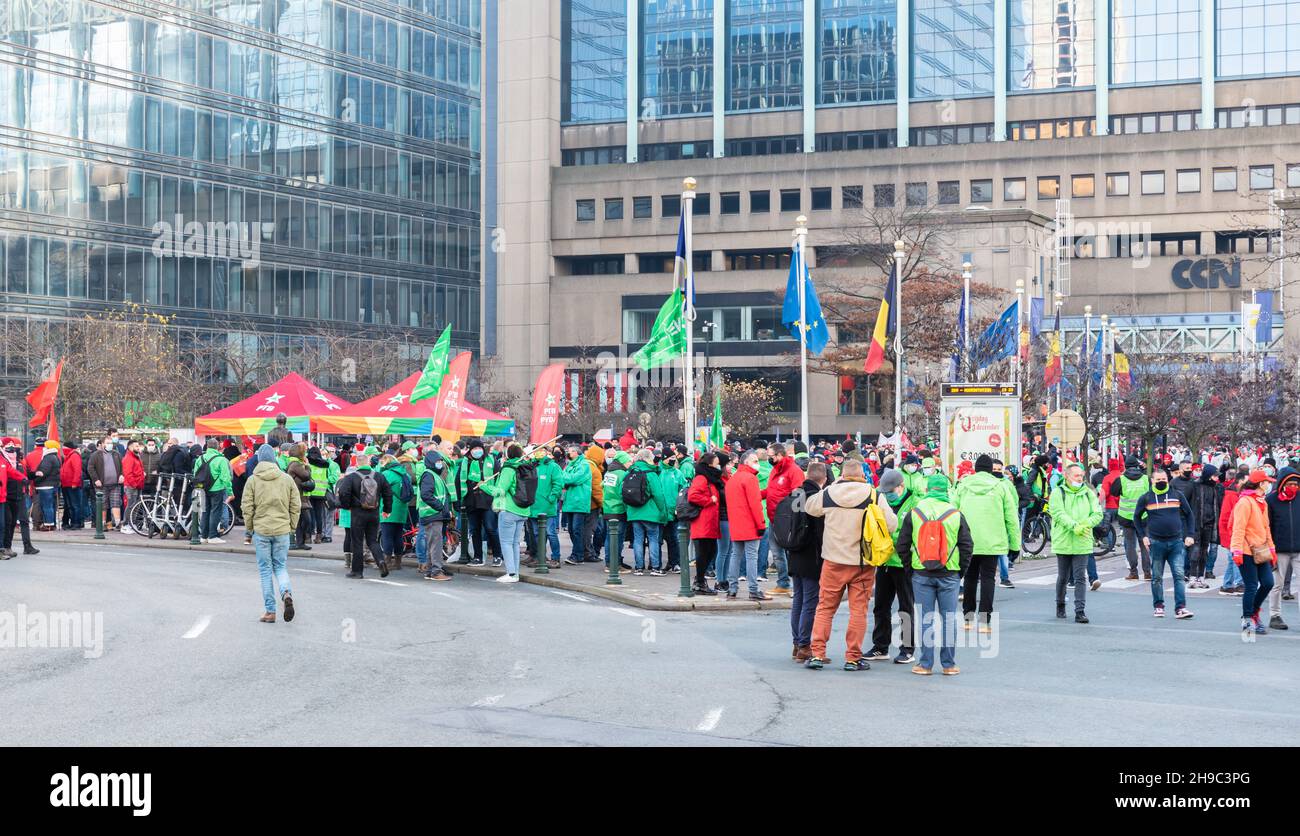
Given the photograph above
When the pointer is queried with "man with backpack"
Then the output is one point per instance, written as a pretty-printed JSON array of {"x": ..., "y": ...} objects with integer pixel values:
[
  {"x": 613, "y": 507},
  {"x": 392, "y": 523},
  {"x": 894, "y": 579},
  {"x": 433, "y": 510},
  {"x": 514, "y": 492},
  {"x": 212, "y": 476},
  {"x": 784, "y": 478},
  {"x": 990, "y": 511},
  {"x": 365, "y": 495},
  {"x": 848, "y": 507},
  {"x": 646, "y": 508},
  {"x": 1131, "y": 486},
  {"x": 936, "y": 538}
]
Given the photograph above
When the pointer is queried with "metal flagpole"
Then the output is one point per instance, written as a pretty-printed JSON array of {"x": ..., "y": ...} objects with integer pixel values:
[
  {"x": 1020, "y": 308},
  {"x": 1087, "y": 372},
  {"x": 896, "y": 302},
  {"x": 965, "y": 344},
  {"x": 1107, "y": 381},
  {"x": 688, "y": 280},
  {"x": 801, "y": 241},
  {"x": 1060, "y": 348}
]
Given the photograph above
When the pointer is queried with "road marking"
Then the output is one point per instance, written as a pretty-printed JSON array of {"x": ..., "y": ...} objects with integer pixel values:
[
  {"x": 1041, "y": 580},
  {"x": 198, "y": 628},
  {"x": 313, "y": 571},
  {"x": 710, "y": 721},
  {"x": 622, "y": 611},
  {"x": 486, "y": 701},
  {"x": 569, "y": 595},
  {"x": 210, "y": 560},
  {"x": 389, "y": 583},
  {"x": 445, "y": 595},
  {"x": 1095, "y": 626}
]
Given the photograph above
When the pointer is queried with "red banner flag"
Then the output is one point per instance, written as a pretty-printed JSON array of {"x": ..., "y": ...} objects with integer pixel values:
[
  {"x": 451, "y": 396},
  {"x": 42, "y": 397},
  {"x": 545, "y": 424},
  {"x": 53, "y": 434}
]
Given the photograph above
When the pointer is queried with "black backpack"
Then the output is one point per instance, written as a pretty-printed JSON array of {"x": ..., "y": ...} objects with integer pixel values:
[
  {"x": 636, "y": 488},
  {"x": 789, "y": 522},
  {"x": 368, "y": 491},
  {"x": 525, "y": 484},
  {"x": 203, "y": 476},
  {"x": 406, "y": 493},
  {"x": 686, "y": 510}
]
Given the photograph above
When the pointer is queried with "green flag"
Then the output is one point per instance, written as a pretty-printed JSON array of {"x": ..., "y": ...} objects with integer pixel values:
[
  {"x": 431, "y": 378},
  {"x": 717, "y": 435},
  {"x": 667, "y": 338}
]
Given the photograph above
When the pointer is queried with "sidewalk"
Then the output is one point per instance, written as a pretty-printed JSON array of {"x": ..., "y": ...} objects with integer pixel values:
[{"x": 645, "y": 592}]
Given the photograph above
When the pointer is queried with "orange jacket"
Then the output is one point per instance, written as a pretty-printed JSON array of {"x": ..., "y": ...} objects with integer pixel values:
[
  {"x": 1250, "y": 529},
  {"x": 595, "y": 456}
]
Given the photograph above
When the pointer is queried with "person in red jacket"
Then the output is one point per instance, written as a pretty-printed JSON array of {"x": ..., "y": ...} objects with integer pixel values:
[
  {"x": 16, "y": 498},
  {"x": 70, "y": 483},
  {"x": 706, "y": 493},
  {"x": 745, "y": 513},
  {"x": 31, "y": 464},
  {"x": 1233, "y": 584},
  {"x": 786, "y": 476},
  {"x": 132, "y": 477}
]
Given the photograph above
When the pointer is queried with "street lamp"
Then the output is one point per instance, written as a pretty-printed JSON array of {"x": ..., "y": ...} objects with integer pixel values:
[
  {"x": 900, "y": 257},
  {"x": 966, "y": 356}
]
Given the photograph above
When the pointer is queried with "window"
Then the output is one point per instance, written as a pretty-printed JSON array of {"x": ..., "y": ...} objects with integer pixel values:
[
  {"x": 1082, "y": 185},
  {"x": 917, "y": 194},
  {"x": 643, "y": 207},
  {"x": 1261, "y": 177},
  {"x": 667, "y": 262},
  {"x": 949, "y": 192},
  {"x": 671, "y": 206},
  {"x": 821, "y": 199},
  {"x": 1225, "y": 179},
  {"x": 757, "y": 259},
  {"x": 981, "y": 191},
  {"x": 586, "y": 210},
  {"x": 677, "y": 56},
  {"x": 760, "y": 203},
  {"x": 764, "y": 53},
  {"x": 1051, "y": 45},
  {"x": 729, "y": 203},
  {"x": 851, "y": 196},
  {"x": 1049, "y": 188},
  {"x": 1189, "y": 180},
  {"x": 1293, "y": 176},
  {"x": 884, "y": 196},
  {"x": 596, "y": 265},
  {"x": 790, "y": 200},
  {"x": 857, "y": 63},
  {"x": 702, "y": 205},
  {"x": 613, "y": 208},
  {"x": 952, "y": 48},
  {"x": 1013, "y": 188},
  {"x": 1155, "y": 42},
  {"x": 1117, "y": 185},
  {"x": 1153, "y": 182},
  {"x": 1256, "y": 37}
]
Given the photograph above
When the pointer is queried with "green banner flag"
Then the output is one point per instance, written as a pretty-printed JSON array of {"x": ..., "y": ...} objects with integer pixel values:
[
  {"x": 717, "y": 435},
  {"x": 431, "y": 379},
  {"x": 667, "y": 338}
]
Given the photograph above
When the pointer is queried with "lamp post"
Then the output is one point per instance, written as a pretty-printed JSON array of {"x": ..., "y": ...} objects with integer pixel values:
[
  {"x": 1087, "y": 373},
  {"x": 900, "y": 257},
  {"x": 1059, "y": 301},
  {"x": 965, "y": 339},
  {"x": 1106, "y": 383},
  {"x": 1020, "y": 309},
  {"x": 801, "y": 247}
]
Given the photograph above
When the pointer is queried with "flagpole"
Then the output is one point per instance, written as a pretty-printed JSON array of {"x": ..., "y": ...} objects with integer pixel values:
[
  {"x": 688, "y": 281},
  {"x": 1060, "y": 350},
  {"x": 1087, "y": 371},
  {"x": 897, "y": 302},
  {"x": 1106, "y": 372},
  {"x": 800, "y": 242},
  {"x": 965, "y": 343},
  {"x": 1020, "y": 309}
]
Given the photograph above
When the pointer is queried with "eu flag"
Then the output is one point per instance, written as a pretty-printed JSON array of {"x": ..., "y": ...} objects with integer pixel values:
[{"x": 813, "y": 325}]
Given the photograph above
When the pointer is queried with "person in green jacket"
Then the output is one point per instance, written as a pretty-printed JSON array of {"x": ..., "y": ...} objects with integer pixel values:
[
  {"x": 614, "y": 509},
  {"x": 511, "y": 517},
  {"x": 1075, "y": 511},
  {"x": 893, "y": 580},
  {"x": 916, "y": 480},
  {"x": 577, "y": 502},
  {"x": 393, "y": 524},
  {"x": 314, "y": 499},
  {"x": 332, "y": 479},
  {"x": 672, "y": 482},
  {"x": 647, "y": 520},
  {"x": 545, "y": 516},
  {"x": 215, "y": 492},
  {"x": 993, "y": 514}
]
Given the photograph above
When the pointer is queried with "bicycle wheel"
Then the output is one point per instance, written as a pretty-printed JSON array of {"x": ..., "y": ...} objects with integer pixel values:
[
  {"x": 140, "y": 516},
  {"x": 227, "y": 521},
  {"x": 1035, "y": 536},
  {"x": 450, "y": 543},
  {"x": 1103, "y": 545}
]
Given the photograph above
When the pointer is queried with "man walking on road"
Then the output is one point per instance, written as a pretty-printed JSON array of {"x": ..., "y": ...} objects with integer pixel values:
[
  {"x": 936, "y": 537},
  {"x": 271, "y": 506},
  {"x": 1164, "y": 522},
  {"x": 991, "y": 512},
  {"x": 1131, "y": 485},
  {"x": 364, "y": 494},
  {"x": 1075, "y": 511}
]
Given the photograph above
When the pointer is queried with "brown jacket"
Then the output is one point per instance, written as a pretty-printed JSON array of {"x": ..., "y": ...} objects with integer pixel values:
[
  {"x": 96, "y": 466},
  {"x": 842, "y": 506},
  {"x": 595, "y": 455},
  {"x": 301, "y": 474}
]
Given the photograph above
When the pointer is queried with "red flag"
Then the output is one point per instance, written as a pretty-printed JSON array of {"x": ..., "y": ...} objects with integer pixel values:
[
  {"x": 1052, "y": 371},
  {"x": 53, "y": 433},
  {"x": 42, "y": 397},
  {"x": 545, "y": 424},
  {"x": 447, "y": 412},
  {"x": 884, "y": 327}
]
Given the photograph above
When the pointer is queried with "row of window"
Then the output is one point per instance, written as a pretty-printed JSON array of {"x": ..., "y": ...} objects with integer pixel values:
[
  {"x": 1162, "y": 122},
  {"x": 70, "y": 268},
  {"x": 738, "y": 324},
  {"x": 462, "y": 13},
  {"x": 1174, "y": 243},
  {"x": 618, "y": 393}
]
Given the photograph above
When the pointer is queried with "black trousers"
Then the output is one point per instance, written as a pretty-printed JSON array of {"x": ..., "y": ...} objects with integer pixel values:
[
  {"x": 364, "y": 531},
  {"x": 981, "y": 571},
  {"x": 16, "y": 515},
  {"x": 705, "y": 551},
  {"x": 1207, "y": 538},
  {"x": 892, "y": 582}
]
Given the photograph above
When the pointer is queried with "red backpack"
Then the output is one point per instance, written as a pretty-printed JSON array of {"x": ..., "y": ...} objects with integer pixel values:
[{"x": 930, "y": 543}]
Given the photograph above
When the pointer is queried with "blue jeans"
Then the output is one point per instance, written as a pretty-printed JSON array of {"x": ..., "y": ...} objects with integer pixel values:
[
  {"x": 749, "y": 548},
  {"x": 802, "y": 610},
  {"x": 49, "y": 505},
  {"x": 1258, "y": 580},
  {"x": 552, "y": 524},
  {"x": 210, "y": 522},
  {"x": 271, "y": 555},
  {"x": 576, "y": 522},
  {"x": 1173, "y": 552},
  {"x": 1231, "y": 575},
  {"x": 390, "y": 538},
  {"x": 780, "y": 560},
  {"x": 1092, "y": 568},
  {"x": 419, "y": 543},
  {"x": 492, "y": 524},
  {"x": 722, "y": 563},
  {"x": 510, "y": 528},
  {"x": 936, "y": 616},
  {"x": 763, "y": 549},
  {"x": 1004, "y": 568},
  {"x": 641, "y": 533},
  {"x": 75, "y": 505}
]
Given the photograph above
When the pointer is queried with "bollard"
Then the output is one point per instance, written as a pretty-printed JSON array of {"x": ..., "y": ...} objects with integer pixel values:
[
  {"x": 684, "y": 558},
  {"x": 99, "y": 515},
  {"x": 196, "y": 515},
  {"x": 614, "y": 550},
  {"x": 539, "y": 545}
]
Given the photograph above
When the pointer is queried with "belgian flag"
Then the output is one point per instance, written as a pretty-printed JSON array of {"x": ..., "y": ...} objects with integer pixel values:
[
  {"x": 1052, "y": 372},
  {"x": 884, "y": 326}
]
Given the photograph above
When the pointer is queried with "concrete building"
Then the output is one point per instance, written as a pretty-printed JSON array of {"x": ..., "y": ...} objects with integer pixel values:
[{"x": 1157, "y": 132}]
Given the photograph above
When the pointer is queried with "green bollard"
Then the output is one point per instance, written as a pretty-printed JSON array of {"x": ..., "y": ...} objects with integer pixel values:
[
  {"x": 684, "y": 558},
  {"x": 196, "y": 514},
  {"x": 614, "y": 549},
  {"x": 99, "y": 515},
  {"x": 539, "y": 544}
]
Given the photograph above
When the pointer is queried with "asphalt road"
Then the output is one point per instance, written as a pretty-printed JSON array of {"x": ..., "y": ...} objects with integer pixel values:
[{"x": 473, "y": 662}]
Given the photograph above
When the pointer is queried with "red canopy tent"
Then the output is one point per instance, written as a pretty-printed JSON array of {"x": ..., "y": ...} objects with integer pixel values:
[
  {"x": 391, "y": 412},
  {"x": 302, "y": 401}
]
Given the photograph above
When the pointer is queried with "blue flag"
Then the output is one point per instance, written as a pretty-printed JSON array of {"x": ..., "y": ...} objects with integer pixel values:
[
  {"x": 1264, "y": 328},
  {"x": 682, "y": 267},
  {"x": 998, "y": 341},
  {"x": 816, "y": 334},
  {"x": 1035, "y": 316}
]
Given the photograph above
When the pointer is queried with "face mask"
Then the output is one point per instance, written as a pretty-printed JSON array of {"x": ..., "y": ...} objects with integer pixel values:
[
  {"x": 929, "y": 471},
  {"x": 478, "y": 454},
  {"x": 999, "y": 474},
  {"x": 1270, "y": 471},
  {"x": 1076, "y": 483},
  {"x": 910, "y": 468},
  {"x": 1160, "y": 487}
]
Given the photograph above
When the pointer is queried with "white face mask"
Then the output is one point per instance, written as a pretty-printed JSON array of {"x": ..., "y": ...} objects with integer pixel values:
[
  {"x": 910, "y": 468},
  {"x": 478, "y": 454},
  {"x": 929, "y": 471}
]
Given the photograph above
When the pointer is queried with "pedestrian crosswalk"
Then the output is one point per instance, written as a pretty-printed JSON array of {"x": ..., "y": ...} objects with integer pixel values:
[{"x": 1120, "y": 583}]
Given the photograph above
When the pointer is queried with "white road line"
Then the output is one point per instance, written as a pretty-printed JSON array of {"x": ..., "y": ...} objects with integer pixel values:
[
  {"x": 569, "y": 595},
  {"x": 492, "y": 700},
  {"x": 622, "y": 611},
  {"x": 1179, "y": 629},
  {"x": 389, "y": 583},
  {"x": 1041, "y": 580},
  {"x": 445, "y": 595},
  {"x": 198, "y": 628},
  {"x": 710, "y": 721},
  {"x": 210, "y": 560},
  {"x": 313, "y": 571}
]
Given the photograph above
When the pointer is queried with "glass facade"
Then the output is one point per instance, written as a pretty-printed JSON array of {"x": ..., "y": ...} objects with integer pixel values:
[
  {"x": 677, "y": 57},
  {"x": 764, "y": 54},
  {"x": 857, "y": 61},
  {"x": 256, "y": 160},
  {"x": 1051, "y": 44},
  {"x": 1155, "y": 41},
  {"x": 594, "y": 61},
  {"x": 1257, "y": 37},
  {"x": 952, "y": 48}
]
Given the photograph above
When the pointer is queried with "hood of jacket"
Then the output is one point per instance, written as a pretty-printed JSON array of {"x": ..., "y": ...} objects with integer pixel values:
[
  {"x": 1134, "y": 472},
  {"x": 647, "y": 466},
  {"x": 596, "y": 455},
  {"x": 434, "y": 460},
  {"x": 980, "y": 484},
  {"x": 267, "y": 471},
  {"x": 1288, "y": 485}
]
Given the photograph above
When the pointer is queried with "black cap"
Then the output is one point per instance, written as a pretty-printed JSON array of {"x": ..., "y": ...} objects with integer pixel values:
[{"x": 984, "y": 464}]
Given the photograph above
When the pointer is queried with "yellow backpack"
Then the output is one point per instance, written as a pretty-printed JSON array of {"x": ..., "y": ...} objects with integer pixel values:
[{"x": 877, "y": 546}]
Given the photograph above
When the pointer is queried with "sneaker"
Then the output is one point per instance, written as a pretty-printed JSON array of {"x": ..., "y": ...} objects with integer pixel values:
[
  {"x": 1131, "y": 576},
  {"x": 552, "y": 564},
  {"x": 1287, "y": 596},
  {"x": 1247, "y": 625},
  {"x": 860, "y": 665},
  {"x": 217, "y": 541},
  {"x": 741, "y": 579},
  {"x": 569, "y": 560},
  {"x": 876, "y": 655},
  {"x": 1225, "y": 590},
  {"x": 638, "y": 572},
  {"x": 1160, "y": 612},
  {"x": 920, "y": 671},
  {"x": 1183, "y": 612},
  {"x": 288, "y": 608},
  {"x": 905, "y": 658},
  {"x": 782, "y": 590},
  {"x": 508, "y": 579},
  {"x": 759, "y": 596},
  {"x": 1276, "y": 623},
  {"x": 1209, "y": 576},
  {"x": 203, "y": 540},
  {"x": 1239, "y": 591},
  {"x": 1080, "y": 618},
  {"x": 953, "y": 671},
  {"x": 383, "y": 568},
  {"x": 1096, "y": 585},
  {"x": 704, "y": 590},
  {"x": 497, "y": 562},
  {"x": 986, "y": 629},
  {"x": 657, "y": 573},
  {"x": 31, "y": 550},
  {"x": 711, "y": 575},
  {"x": 676, "y": 570},
  {"x": 1006, "y": 584},
  {"x": 815, "y": 663},
  {"x": 1060, "y": 610}
]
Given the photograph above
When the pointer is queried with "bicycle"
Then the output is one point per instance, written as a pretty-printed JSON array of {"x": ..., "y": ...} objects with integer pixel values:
[
  {"x": 158, "y": 513},
  {"x": 1038, "y": 532},
  {"x": 450, "y": 539}
]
